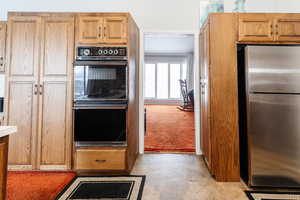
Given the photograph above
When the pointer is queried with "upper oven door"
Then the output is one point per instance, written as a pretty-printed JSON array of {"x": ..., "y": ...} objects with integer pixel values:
[{"x": 100, "y": 81}]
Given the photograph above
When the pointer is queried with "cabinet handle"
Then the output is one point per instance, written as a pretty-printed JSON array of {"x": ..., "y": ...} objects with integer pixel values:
[
  {"x": 272, "y": 29},
  {"x": 41, "y": 89},
  {"x": 104, "y": 31},
  {"x": 100, "y": 32},
  {"x": 100, "y": 161},
  {"x": 35, "y": 89}
]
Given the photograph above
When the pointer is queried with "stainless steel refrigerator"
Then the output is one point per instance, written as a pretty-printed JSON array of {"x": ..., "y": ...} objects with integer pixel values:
[{"x": 273, "y": 115}]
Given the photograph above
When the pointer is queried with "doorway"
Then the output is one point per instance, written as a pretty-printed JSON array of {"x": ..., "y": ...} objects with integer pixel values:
[{"x": 168, "y": 79}]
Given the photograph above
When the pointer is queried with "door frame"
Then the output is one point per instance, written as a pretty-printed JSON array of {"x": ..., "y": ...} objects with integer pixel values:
[{"x": 196, "y": 87}]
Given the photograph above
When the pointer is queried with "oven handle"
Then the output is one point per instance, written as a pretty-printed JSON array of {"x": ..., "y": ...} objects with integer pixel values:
[
  {"x": 100, "y": 107},
  {"x": 100, "y": 63}
]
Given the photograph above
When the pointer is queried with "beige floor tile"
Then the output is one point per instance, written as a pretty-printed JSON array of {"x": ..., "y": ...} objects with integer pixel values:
[{"x": 182, "y": 177}]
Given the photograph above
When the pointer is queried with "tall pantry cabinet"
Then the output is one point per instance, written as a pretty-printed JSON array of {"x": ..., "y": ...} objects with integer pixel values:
[
  {"x": 39, "y": 90},
  {"x": 219, "y": 91}
]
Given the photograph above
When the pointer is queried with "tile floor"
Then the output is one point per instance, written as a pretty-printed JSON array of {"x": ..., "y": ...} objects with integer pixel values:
[{"x": 182, "y": 177}]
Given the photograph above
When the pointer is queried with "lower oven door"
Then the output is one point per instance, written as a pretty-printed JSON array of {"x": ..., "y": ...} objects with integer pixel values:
[{"x": 98, "y": 126}]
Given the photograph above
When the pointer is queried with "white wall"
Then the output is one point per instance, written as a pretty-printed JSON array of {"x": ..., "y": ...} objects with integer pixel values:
[
  {"x": 1, "y": 85},
  {"x": 288, "y": 6},
  {"x": 169, "y": 43},
  {"x": 151, "y": 15}
]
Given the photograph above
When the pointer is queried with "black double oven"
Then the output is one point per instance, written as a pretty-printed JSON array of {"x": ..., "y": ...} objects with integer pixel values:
[{"x": 100, "y": 96}]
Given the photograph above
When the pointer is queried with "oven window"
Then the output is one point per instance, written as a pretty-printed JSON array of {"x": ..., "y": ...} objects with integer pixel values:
[
  {"x": 96, "y": 125},
  {"x": 98, "y": 82}
]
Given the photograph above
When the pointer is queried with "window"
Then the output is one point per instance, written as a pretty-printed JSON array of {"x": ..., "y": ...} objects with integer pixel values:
[{"x": 162, "y": 78}]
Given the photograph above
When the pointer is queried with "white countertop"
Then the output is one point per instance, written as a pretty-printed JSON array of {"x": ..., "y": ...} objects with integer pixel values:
[{"x": 7, "y": 130}]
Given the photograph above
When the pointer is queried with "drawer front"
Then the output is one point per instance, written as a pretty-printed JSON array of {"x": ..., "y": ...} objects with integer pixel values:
[{"x": 100, "y": 159}]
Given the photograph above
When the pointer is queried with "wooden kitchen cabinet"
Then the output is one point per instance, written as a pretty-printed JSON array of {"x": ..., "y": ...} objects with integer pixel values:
[
  {"x": 117, "y": 159},
  {"x": 55, "y": 97},
  {"x": 3, "y": 166},
  {"x": 101, "y": 29},
  {"x": 105, "y": 158},
  {"x": 90, "y": 29},
  {"x": 204, "y": 95},
  {"x": 115, "y": 30},
  {"x": 39, "y": 89},
  {"x": 218, "y": 98},
  {"x": 2, "y": 45},
  {"x": 255, "y": 27},
  {"x": 287, "y": 27},
  {"x": 40, "y": 52},
  {"x": 21, "y": 89}
]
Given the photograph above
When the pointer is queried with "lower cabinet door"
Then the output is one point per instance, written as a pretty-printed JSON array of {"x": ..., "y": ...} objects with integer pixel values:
[
  {"x": 102, "y": 159},
  {"x": 22, "y": 112}
]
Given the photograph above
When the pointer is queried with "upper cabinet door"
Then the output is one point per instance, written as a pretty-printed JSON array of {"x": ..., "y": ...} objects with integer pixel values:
[
  {"x": 23, "y": 52},
  {"x": 288, "y": 28},
  {"x": 115, "y": 30},
  {"x": 256, "y": 27},
  {"x": 90, "y": 29},
  {"x": 2, "y": 45}
]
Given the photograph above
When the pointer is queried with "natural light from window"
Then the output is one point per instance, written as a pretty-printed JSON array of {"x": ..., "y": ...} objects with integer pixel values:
[{"x": 162, "y": 80}]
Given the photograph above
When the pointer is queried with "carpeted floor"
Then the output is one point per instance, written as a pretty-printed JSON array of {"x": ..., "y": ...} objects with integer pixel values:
[
  {"x": 169, "y": 129},
  {"x": 36, "y": 185}
]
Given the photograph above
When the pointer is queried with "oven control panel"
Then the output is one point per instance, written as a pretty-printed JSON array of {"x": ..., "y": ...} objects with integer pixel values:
[{"x": 100, "y": 52}]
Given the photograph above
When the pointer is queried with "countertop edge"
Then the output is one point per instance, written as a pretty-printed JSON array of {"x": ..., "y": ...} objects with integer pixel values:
[{"x": 7, "y": 130}]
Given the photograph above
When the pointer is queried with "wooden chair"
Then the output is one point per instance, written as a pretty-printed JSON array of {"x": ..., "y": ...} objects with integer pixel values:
[{"x": 187, "y": 103}]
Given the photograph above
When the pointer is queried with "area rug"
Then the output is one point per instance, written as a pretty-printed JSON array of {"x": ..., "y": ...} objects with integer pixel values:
[
  {"x": 24, "y": 185},
  {"x": 261, "y": 195},
  {"x": 169, "y": 129},
  {"x": 104, "y": 188}
]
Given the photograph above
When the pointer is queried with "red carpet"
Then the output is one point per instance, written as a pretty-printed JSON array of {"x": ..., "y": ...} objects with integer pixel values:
[
  {"x": 169, "y": 129},
  {"x": 36, "y": 185}
]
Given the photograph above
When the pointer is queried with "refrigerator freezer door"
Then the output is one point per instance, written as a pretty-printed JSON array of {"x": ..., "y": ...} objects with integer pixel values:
[
  {"x": 274, "y": 69},
  {"x": 274, "y": 140}
]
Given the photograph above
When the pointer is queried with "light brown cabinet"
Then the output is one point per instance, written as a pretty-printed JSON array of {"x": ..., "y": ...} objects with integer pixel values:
[
  {"x": 288, "y": 28},
  {"x": 114, "y": 158},
  {"x": 269, "y": 27},
  {"x": 40, "y": 53},
  {"x": 2, "y": 45},
  {"x": 101, "y": 29},
  {"x": 104, "y": 158},
  {"x": 218, "y": 102},
  {"x": 39, "y": 88},
  {"x": 90, "y": 29},
  {"x": 23, "y": 53},
  {"x": 115, "y": 30},
  {"x": 3, "y": 166},
  {"x": 55, "y": 99},
  {"x": 204, "y": 95}
]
